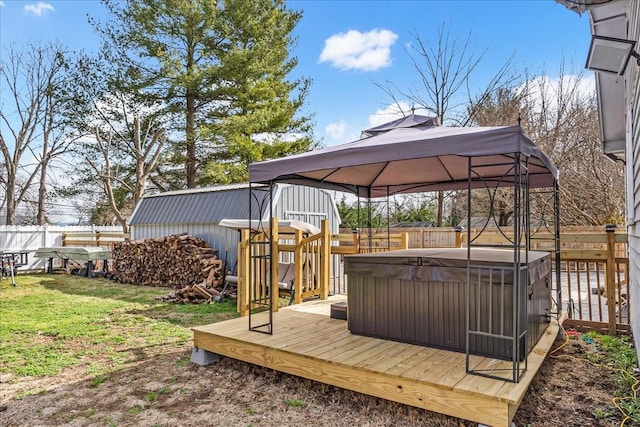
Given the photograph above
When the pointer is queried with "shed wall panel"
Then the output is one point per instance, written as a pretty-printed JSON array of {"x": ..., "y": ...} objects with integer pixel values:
[
  {"x": 199, "y": 213},
  {"x": 296, "y": 200}
]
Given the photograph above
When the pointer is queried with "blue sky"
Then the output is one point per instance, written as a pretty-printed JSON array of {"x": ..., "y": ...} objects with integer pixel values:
[{"x": 347, "y": 46}]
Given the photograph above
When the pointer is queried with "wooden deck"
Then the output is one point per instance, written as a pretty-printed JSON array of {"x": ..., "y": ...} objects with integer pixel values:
[{"x": 306, "y": 342}]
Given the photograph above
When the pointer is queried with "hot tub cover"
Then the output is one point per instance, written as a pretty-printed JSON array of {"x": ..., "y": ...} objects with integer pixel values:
[{"x": 444, "y": 264}]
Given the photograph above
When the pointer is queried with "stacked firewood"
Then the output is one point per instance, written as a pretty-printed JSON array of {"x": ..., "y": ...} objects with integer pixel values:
[
  {"x": 175, "y": 261},
  {"x": 196, "y": 294}
]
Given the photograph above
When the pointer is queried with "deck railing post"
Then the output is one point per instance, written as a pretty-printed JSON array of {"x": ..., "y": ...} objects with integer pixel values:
[
  {"x": 298, "y": 265},
  {"x": 243, "y": 273},
  {"x": 325, "y": 258},
  {"x": 610, "y": 286},
  {"x": 404, "y": 240},
  {"x": 458, "y": 231},
  {"x": 356, "y": 240},
  {"x": 275, "y": 257}
]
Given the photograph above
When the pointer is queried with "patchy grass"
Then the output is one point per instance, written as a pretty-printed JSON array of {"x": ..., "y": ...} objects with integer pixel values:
[
  {"x": 52, "y": 322},
  {"x": 617, "y": 355},
  {"x": 99, "y": 380},
  {"x": 125, "y": 361},
  {"x": 294, "y": 403}
]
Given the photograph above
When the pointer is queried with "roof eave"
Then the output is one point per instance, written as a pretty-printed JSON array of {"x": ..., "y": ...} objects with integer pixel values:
[{"x": 611, "y": 20}]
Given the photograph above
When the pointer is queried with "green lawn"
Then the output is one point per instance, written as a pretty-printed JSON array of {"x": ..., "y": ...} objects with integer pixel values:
[{"x": 49, "y": 322}]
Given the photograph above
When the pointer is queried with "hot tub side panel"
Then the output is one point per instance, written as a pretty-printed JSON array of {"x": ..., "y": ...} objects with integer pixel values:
[{"x": 432, "y": 313}]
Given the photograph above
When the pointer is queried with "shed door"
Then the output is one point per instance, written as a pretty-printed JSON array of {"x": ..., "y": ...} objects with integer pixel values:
[{"x": 308, "y": 217}]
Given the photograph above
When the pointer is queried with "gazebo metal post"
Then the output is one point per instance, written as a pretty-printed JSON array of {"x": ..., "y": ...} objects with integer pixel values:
[
  {"x": 261, "y": 263},
  {"x": 521, "y": 227},
  {"x": 467, "y": 290},
  {"x": 369, "y": 222},
  {"x": 388, "y": 223},
  {"x": 516, "y": 267}
]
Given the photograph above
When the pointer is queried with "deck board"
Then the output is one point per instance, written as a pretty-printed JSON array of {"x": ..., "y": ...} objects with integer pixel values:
[{"x": 314, "y": 346}]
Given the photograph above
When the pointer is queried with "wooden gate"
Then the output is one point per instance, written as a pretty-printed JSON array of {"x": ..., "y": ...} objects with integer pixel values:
[{"x": 310, "y": 266}]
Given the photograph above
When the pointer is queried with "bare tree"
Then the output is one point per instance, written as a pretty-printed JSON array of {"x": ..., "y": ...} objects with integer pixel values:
[
  {"x": 123, "y": 152},
  {"x": 560, "y": 115},
  {"x": 33, "y": 77},
  {"x": 444, "y": 69}
]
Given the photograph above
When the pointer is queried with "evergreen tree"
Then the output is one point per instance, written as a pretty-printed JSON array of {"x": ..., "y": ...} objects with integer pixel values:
[{"x": 224, "y": 67}]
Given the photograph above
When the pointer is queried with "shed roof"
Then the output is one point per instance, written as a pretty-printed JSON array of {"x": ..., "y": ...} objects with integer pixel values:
[{"x": 199, "y": 206}]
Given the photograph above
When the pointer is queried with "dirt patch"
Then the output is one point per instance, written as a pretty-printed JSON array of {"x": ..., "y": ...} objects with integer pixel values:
[{"x": 164, "y": 389}]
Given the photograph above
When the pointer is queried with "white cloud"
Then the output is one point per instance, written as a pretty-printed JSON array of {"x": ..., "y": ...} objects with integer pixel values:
[
  {"x": 389, "y": 113},
  {"x": 336, "y": 130},
  {"x": 1, "y": 3},
  {"x": 354, "y": 50},
  {"x": 39, "y": 8}
]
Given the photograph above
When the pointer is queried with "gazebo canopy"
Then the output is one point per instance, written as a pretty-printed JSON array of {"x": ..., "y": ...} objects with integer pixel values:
[{"x": 418, "y": 158}]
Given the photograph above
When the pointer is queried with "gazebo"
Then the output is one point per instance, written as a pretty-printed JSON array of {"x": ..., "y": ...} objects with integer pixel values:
[{"x": 414, "y": 155}]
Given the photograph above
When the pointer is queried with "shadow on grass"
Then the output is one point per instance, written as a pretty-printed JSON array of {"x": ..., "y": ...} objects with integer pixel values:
[
  {"x": 189, "y": 315},
  {"x": 184, "y": 315},
  {"x": 100, "y": 288},
  {"x": 164, "y": 388}
]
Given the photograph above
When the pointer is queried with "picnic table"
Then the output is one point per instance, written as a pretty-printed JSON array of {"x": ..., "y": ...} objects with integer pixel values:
[{"x": 69, "y": 254}]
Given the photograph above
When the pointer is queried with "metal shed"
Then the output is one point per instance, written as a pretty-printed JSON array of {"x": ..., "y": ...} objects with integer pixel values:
[{"x": 199, "y": 211}]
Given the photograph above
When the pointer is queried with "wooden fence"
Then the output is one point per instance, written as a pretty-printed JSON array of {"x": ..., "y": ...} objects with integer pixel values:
[{"x": 93, "y": 238}]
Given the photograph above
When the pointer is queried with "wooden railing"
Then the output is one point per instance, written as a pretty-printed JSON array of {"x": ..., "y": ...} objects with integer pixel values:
[
  {"x": 594, "y": 274},
  {"x": 311, "y": 264},
  {"x": 611, "y": 271},
  {"x": 354, "y": 243}
]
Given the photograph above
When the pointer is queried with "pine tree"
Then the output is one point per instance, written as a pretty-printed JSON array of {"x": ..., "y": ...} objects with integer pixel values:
[{"x": 223, "y": 67}]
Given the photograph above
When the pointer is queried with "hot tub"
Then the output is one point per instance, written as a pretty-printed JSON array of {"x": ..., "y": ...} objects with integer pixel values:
[{"x": 418, "y": 296}]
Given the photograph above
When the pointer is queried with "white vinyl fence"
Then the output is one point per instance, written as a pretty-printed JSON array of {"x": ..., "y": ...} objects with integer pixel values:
[{"x": 31, "y": 237}]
